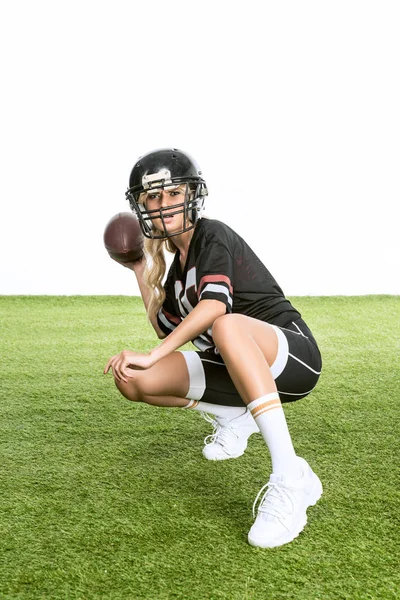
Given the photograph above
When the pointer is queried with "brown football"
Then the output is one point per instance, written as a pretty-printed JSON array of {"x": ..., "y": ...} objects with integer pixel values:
[{"x": 123, "y": 238}]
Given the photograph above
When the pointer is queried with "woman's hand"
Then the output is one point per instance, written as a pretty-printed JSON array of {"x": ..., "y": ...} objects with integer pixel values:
[
  {"x": 125, "y": 362},
  {"x": 137, "y": 266}
]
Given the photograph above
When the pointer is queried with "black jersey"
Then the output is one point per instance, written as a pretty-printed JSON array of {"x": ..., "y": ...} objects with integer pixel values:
[{"x": 221, "y": 266}]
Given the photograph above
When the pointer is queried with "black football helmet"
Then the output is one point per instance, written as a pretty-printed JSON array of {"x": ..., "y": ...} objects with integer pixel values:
[{"x": 157, "y": 170}]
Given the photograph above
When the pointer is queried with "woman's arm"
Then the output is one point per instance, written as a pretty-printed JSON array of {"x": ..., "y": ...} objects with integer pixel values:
[
  {"x": 197, "y": 322},
  {"x": 200, "y": 319},
  {"x": 138, "y": 268}
]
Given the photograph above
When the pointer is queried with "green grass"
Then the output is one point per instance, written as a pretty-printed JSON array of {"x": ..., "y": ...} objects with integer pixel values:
[{"x": 102, "y": 498}]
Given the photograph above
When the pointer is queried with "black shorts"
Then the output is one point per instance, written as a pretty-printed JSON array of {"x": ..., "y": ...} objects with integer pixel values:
[{"x": 296, "y": 369}]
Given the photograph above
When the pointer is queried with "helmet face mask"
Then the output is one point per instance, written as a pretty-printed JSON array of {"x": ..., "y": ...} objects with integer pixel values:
[
  {"x": 159, "y": 171},
  {"x": 190, "y": 208}
]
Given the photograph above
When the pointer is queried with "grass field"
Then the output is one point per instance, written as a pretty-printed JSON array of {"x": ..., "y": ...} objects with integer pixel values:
[{"x": 102, "y": 498}]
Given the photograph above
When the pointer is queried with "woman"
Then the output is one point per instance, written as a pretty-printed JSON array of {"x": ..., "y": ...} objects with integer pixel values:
[{"x": 255, "y": 351}]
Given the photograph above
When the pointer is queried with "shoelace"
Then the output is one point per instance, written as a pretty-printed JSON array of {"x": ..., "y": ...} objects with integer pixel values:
[
  {"x": 220, "y": 434},
  {"x": 277, "y": 500},
  {"x": 209, "y": 439}
]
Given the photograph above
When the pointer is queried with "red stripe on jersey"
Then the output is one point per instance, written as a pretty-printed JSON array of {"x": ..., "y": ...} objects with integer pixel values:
[
  {"x": 214, "y": 279},
  {"x": 171, "y": 318}
]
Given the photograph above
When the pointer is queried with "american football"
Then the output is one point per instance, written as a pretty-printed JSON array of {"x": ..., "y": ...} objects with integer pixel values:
[{"x": 123, "y": 238}]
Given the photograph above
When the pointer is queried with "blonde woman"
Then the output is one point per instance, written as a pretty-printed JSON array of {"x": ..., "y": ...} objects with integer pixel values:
[{"x": 254, "y": 349}]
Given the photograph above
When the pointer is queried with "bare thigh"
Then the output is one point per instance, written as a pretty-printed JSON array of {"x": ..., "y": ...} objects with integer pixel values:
[
  {"x": 249, "y": 347},
  {"x": 230, "y": 331},
  {"x": 168, "y": 377}
]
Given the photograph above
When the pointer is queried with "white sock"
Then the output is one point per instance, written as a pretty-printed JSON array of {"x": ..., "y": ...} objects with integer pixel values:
[
  {"x": 224, "y": 413},
  {"x": 270, "y": 418}
]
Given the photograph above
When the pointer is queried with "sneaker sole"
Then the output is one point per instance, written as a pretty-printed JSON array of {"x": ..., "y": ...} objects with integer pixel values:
[
  {"x": 314, "y": 496},
  {"x": 224, "y": 457}
]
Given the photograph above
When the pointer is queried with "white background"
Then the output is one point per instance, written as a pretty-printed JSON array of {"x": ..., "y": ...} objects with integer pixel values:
[{"x": 291, "y": 109}]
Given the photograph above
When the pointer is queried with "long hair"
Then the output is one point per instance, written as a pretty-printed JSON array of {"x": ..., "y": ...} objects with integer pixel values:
[{"x": 155, "y": 270}]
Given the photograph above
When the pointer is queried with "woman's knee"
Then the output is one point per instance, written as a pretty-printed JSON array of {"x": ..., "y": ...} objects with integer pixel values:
[
  {"x": 223, "y": 325},
  {"x": 130, "y": 390},
  {"x": 230, "y": 330}
]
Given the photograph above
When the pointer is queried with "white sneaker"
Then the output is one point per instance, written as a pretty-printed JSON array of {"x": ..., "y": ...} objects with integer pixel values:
[
  {"x": 229, "y": 439},
  {"x": 282, "y": 510}
]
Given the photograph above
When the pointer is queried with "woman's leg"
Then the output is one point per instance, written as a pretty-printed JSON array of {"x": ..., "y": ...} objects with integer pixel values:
[
  {"x": 168, "y": 383},
  {"x": 165, "y": 384},
  {"x": 249, "y": 349}
]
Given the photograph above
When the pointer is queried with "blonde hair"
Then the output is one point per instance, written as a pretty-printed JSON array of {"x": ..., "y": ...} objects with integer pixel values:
[{"x": 155, "y": 270}]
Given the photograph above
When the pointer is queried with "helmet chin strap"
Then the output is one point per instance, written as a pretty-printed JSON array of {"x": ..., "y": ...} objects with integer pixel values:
[{"x": 200, "y": 209}]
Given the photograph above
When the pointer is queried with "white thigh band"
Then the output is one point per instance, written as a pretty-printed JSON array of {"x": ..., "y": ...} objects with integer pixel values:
[
  {"x": 197, "y": 378},
  {"x": 283, "y": 353}
]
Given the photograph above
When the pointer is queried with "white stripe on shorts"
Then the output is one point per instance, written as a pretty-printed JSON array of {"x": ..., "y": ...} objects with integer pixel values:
[
  {"x": 283, "y": 353},
  {"x": 299, "y": 330},
  {"x": 305, "y": 364},
  {"x": 197, "y": 378}
]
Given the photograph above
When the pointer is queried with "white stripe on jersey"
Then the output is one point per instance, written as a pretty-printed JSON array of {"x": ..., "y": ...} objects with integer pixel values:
[
  {"x": 190, "y": 282},
  {"x": 198, "y": 342},
  {"x": 165, "y": 321},
  {"x": 178, "y": 288},
  {"x": 218, "y": 289}
]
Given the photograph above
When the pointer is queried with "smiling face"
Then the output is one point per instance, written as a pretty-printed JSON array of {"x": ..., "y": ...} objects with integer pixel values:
[{"x": 166, "y": 207}]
